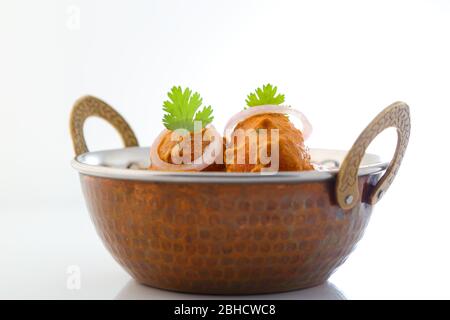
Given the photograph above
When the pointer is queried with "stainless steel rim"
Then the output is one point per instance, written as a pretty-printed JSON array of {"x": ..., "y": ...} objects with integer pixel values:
[{"x": 96, "y": 164}]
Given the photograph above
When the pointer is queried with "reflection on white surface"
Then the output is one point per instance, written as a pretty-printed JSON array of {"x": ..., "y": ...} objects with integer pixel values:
[{"x": 135, "y": 291}]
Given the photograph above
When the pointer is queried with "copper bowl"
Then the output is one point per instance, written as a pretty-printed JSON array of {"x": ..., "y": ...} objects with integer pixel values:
[{"x": 223, "y": 233}]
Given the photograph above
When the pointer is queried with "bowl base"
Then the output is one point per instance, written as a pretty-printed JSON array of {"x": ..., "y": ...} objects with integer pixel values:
[{"x": 235, "y": 291}]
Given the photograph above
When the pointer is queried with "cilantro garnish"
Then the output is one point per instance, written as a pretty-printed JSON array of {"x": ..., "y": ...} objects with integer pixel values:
[
  {"x": 266, "y": 95},
  {"x": 183, "y": 109}
]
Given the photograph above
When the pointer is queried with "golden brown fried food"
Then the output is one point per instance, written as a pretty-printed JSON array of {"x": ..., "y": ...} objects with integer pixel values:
[
  {"x": 168, "y": 147},
  {"x": 293, "y": 155}
]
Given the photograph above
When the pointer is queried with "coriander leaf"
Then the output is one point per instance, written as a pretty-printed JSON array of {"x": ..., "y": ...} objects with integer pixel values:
[
  {"x": 266, "y": 95},
  {"x": 205, "y": 116},
  {"x": 182, "y": 109}
]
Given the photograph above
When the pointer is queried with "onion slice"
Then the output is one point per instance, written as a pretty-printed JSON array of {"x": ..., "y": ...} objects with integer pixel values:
[
  {"x": 208, "y": 157},
  {"x": 253, "y": 111}
]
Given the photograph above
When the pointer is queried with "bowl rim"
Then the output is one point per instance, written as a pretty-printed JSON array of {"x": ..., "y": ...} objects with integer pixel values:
[{"x": 80, "y": 164}]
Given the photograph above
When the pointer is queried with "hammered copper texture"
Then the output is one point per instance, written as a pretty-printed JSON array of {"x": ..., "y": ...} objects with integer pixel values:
[{"x": 226, "y": 238}]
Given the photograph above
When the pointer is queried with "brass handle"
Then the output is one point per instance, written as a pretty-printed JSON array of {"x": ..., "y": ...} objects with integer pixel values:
[
  {"x": 347, "y": 193},
  {"x": 89, "y": 106}
]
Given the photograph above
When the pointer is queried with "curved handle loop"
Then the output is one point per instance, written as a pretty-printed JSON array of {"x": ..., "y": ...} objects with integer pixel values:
[
  {"x": 347, "y": 193},
  {"x": 89, "y": 106}
]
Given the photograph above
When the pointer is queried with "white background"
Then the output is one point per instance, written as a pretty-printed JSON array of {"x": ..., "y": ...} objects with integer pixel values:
[{"x": 340, "y": 62}]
